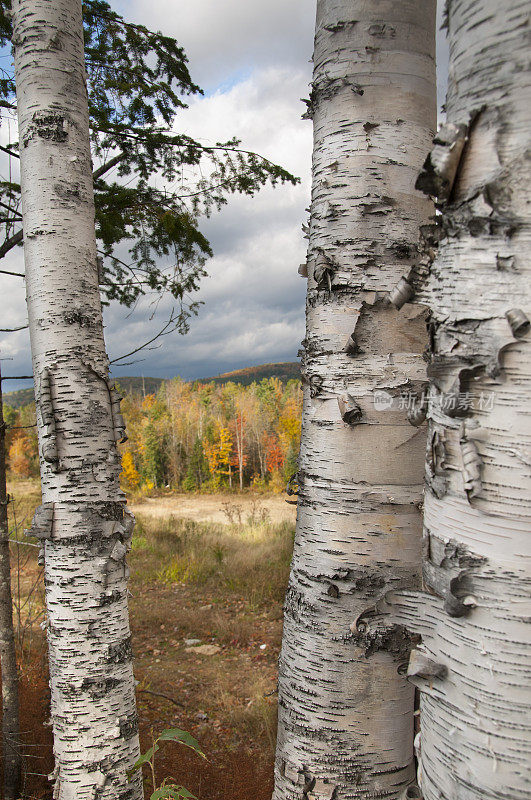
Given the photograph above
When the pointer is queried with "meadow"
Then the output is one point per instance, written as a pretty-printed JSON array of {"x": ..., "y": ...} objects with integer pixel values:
[{"x": 206, "y": 616}]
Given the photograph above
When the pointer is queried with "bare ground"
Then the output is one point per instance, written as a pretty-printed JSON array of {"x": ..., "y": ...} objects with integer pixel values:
[{"x": 212, "y": 568}]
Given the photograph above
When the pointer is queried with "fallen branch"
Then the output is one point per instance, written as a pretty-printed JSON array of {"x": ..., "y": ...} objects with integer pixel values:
[{"x": 160, "y": 694}]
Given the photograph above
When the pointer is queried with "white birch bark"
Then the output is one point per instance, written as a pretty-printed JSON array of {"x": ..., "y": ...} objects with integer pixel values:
[
  {"x": 345, "y": 713},
  {"x": 82, "y": 523},
  {"x": 476, "y": 712}
]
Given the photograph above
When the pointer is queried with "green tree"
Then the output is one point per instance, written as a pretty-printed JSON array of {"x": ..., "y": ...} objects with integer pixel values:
[
  {"x": 137, "y": 84},
  {"x": 291, "y": 461},
  {"x": 197, "y": 472},
  {"x": 155, "y": 445},
  {"x": 10, "y": 415},
  {"x": 154, "y": 455}
]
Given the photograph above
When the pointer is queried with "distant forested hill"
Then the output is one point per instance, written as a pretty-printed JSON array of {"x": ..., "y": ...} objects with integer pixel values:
[
  {"x": 144, "y": 386},
  {"x": 285, "y": 371},
  {"x": 20, "y": 398}
]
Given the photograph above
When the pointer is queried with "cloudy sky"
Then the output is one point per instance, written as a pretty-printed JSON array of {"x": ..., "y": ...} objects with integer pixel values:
[{"x": 251, "y": 57}]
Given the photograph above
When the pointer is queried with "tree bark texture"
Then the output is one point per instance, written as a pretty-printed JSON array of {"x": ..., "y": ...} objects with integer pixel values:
[
  {"x": 83, "y": 525},
  {"x": 11, "y": 744},
  {"x": 345, "y": 713},
  {"x": 474, "y": 665}
]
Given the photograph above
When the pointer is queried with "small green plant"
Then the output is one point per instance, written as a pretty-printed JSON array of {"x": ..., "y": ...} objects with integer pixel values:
[
  {"x": 168, "y": 790},
  {"x": 218, "y": 551},
  {"x": 182, "y": 569}
]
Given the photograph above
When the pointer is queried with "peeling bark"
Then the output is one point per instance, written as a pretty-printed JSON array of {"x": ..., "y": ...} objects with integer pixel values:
[
  {"x": 475, "y": 732},
  {"x": 84, "y": 528},
  {"x": 345, "y": 711}
]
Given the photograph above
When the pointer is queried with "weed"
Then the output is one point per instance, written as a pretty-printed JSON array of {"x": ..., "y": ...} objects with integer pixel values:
[
  {"x": 259, "y": 514},
  {"x": 167, "y": 789},
  {"x": 183, "y": 569},
  {"x": 233, "y": 512},
  {"x": 257, "y": 717},
  {"x": 251, "y": 561},
  {"x": 140, "y": 542},
  {"x": 218, "y": 551}
]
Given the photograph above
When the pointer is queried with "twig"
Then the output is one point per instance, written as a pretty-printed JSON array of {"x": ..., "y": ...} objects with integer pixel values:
[
  {"x": 16, "y": 274},
  {"x": 13, "y": 330},
  {"x": 12, "y": 210},
  {"x": 20, "y": 427},
  {"x": 11, "y": 242},
  {"x": 26, "y": 544},
  {"x": 9, "y": 152},
  {"x": 160, "y": 694},
  {"x": 163, "y": 332},
  {"x": 106, "y": 167}
]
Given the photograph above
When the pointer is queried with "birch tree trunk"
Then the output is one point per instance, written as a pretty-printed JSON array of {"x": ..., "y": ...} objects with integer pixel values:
[
  {"x": 83, "y": 524},
  {"x": 476, "y": 679},
  {"x": 345, "y": 713},
  {"x": 239, "y": 445},
  {"x": 11, "y": 754}
]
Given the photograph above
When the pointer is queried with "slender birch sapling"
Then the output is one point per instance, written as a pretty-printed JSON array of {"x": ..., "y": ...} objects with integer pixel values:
[
  {"x": 83, "y": 524},
  {"x": 11, "y": 753}
]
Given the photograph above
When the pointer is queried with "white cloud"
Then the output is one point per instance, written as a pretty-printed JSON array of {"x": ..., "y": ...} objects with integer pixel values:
[
  {"x": 253, "y": 298},
  {"x": 228, "y": 39},
  {"x": 252, "y": 57}
]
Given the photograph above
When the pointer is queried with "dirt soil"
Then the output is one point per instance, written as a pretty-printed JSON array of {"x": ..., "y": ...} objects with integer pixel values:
[
  {"x": 224, "y": 694},
  {"x": 225, "y": 698}
]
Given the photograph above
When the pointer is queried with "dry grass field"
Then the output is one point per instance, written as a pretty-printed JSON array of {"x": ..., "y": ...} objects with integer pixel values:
[{"x": 207, "y": 583}]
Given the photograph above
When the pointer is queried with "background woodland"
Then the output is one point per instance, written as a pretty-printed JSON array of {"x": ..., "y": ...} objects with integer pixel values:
[{"x": 190, "y": 437}]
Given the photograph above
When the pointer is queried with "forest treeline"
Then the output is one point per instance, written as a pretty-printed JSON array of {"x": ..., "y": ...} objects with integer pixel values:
[{"x": 192, "y": 436}]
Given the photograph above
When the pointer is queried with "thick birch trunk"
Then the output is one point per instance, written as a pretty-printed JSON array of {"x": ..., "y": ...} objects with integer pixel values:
[
  {"x": 11, "y": 754},
  {"x": 475, "y": 714},
  {"x": 83, "y": 525},
  {"x": 345, "y": 713}
]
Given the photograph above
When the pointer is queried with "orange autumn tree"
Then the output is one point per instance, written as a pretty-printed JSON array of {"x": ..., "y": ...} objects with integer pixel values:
[
  {"x": 19, "y": 457},
  {"x": 274, "y": 454}
]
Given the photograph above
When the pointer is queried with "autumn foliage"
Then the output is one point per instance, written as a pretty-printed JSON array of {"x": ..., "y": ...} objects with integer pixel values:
[
  {"x": 129, "y": 475},
  {"x": 208, "y": 437},
  {"x": 21, "y": 442},
  {"x": 193, "y": 437}
]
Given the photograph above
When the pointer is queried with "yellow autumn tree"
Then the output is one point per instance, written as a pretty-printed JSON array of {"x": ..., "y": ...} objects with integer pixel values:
[
  {"x": 218, "y": 454},
  {"x": 148, "y": 402},
  {"x": 289, "y": 421},
  {"x": 129, "y": 477}
]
